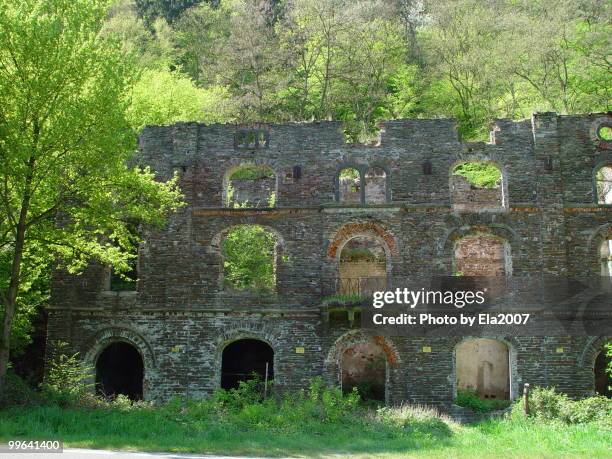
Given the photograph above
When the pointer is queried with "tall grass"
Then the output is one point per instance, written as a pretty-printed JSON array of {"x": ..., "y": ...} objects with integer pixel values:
[{"x": 316, "y": 422}]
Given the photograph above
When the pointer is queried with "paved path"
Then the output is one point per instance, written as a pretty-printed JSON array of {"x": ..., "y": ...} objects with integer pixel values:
[{"x": 75, "y": 453}]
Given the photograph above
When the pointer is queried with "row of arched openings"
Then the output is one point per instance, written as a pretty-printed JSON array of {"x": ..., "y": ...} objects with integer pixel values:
[
  {"x": 251, "y": 254},
  {"x": 475, "y": 185},
  {"x": 482, "y": 366}
]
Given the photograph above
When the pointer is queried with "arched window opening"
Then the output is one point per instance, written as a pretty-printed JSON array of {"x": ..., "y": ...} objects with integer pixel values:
[
  {"x": 477, "y": 186},
  {"x": 376, "y": 186},
  {"x": 363, "y": 267},
  {"x": 605, "y": 252},
  {"x": 603, "y": 379},
  {"x": 482, "y": 367},
  {"x": 250, "y": 254},
  {"x": 349, "y": 182},
  {"x": 244, "y": 360},
  {"x": 603, "y": 183},
  {"x": 364, "y": 366},
  {"x": 251, "y": 186},
  {"x": 120, "y": 371},
  {"x": 482, "y": 255}
]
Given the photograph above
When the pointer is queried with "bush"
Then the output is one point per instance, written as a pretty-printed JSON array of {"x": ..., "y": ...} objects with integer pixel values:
[
  {"x": 17, "y": 392},
  {"x": 546, "y": 404},
  {"x": 69, "y": 379},
  {"x": 469, "y": 399}
]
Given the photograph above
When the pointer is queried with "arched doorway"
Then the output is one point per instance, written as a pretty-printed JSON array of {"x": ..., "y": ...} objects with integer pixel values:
[
  {"x": 482, "y": 365},
  {"x": 364, "y": 366},
  {"x": 120, "y": 370},
  {"x": 245, "y": 358},
  {"x": 603, "y": 380}
]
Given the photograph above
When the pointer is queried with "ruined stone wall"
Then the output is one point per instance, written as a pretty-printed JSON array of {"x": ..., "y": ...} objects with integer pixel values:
[{"x": 180, "y": 318}]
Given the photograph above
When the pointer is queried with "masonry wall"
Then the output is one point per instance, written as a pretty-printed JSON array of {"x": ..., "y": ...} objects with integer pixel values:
[{"x": 180, "y": 317}]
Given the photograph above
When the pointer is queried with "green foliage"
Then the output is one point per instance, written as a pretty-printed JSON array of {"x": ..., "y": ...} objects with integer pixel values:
[
  {"x": 249, "y": 253},
  {"x": 252, "y": 172},
  {"x": 349, "y": 173},
  {"x": 548, "y": 405},
  {"x": 343, "y": 299},
  {"x": 318, "y": 421},
  {"x": 17, "y": 393},
  {"x": 484, "y": 175},
  {"x": 162, "y": 97},
  {"x": 65, "y": 146},
  {"x": 605, "y": 133},
  {"x": 470, "y": 399},
  {"x": 68, "y": 381},
  {"x": 359, "y": 254}
]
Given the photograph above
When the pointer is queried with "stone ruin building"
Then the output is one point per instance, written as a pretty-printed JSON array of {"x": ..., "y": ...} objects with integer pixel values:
[{"x": 345, "y": 219}]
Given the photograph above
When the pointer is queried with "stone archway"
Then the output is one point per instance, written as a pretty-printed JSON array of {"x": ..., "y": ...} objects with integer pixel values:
[
  {"x": 120, "y": 371},
  {"x": 106, "y": 337},
  {"x": 244, "y": 359},
  {"x": 357, "y": 354}
]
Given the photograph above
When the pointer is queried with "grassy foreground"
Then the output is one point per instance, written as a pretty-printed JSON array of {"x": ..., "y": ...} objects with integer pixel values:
[{"x": 307, "y": 425}]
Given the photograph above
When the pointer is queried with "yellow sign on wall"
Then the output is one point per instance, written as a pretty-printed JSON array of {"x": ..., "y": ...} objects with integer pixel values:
[{"x": 299, "y": 350}]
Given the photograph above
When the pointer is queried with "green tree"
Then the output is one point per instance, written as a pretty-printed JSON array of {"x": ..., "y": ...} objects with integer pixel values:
[
  {"x": 66, "y": 193},
  {"x": 163, "y": 97},
  {"x": 249, "y": 253}
]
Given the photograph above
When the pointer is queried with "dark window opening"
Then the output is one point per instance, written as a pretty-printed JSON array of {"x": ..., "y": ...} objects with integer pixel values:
[
  {"x": 122, "y": 282},
  {"x": 120, "y": 370},
  {"x": 603, "y": 379},
  {"x": 244, "y": 360}
]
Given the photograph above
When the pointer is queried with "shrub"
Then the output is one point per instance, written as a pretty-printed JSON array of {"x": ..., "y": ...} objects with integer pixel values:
[
  {"x": 68, "y": 380},
  {"x": 17, "y": 392},
  {"x": 468, "y": 398},
  {"x": 546, "y": 404}
]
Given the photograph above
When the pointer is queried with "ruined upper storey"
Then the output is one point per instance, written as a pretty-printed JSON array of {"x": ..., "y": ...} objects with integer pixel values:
[{"x": 301, "y": 164}]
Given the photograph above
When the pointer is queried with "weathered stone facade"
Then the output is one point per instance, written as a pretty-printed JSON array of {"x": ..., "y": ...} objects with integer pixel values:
[{"x": 181, "y": 318}]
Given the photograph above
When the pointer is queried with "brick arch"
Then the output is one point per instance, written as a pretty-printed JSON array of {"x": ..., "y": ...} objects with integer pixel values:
[
  {"x": 600, "y": 234},
  {"x": 351, "y": 230},
  {"x": 354, "y": 337},
  {"x": 594, "y": 345},
  {"x": 393, "y": 372},
  {"x": 246, "y": 330},
  {"x": 446, "y": 245},
  {"x": 117, "y": 334},
  {"x": 509, "y": 341},
  {"x": 595, "y": 125}
]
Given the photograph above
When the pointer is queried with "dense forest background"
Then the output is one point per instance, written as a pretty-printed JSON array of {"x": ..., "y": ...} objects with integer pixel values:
[{"x": 362, "y": 61}]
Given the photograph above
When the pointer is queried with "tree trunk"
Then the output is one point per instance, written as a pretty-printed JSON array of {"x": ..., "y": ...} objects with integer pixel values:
[{"x": 11, "y": 295}]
